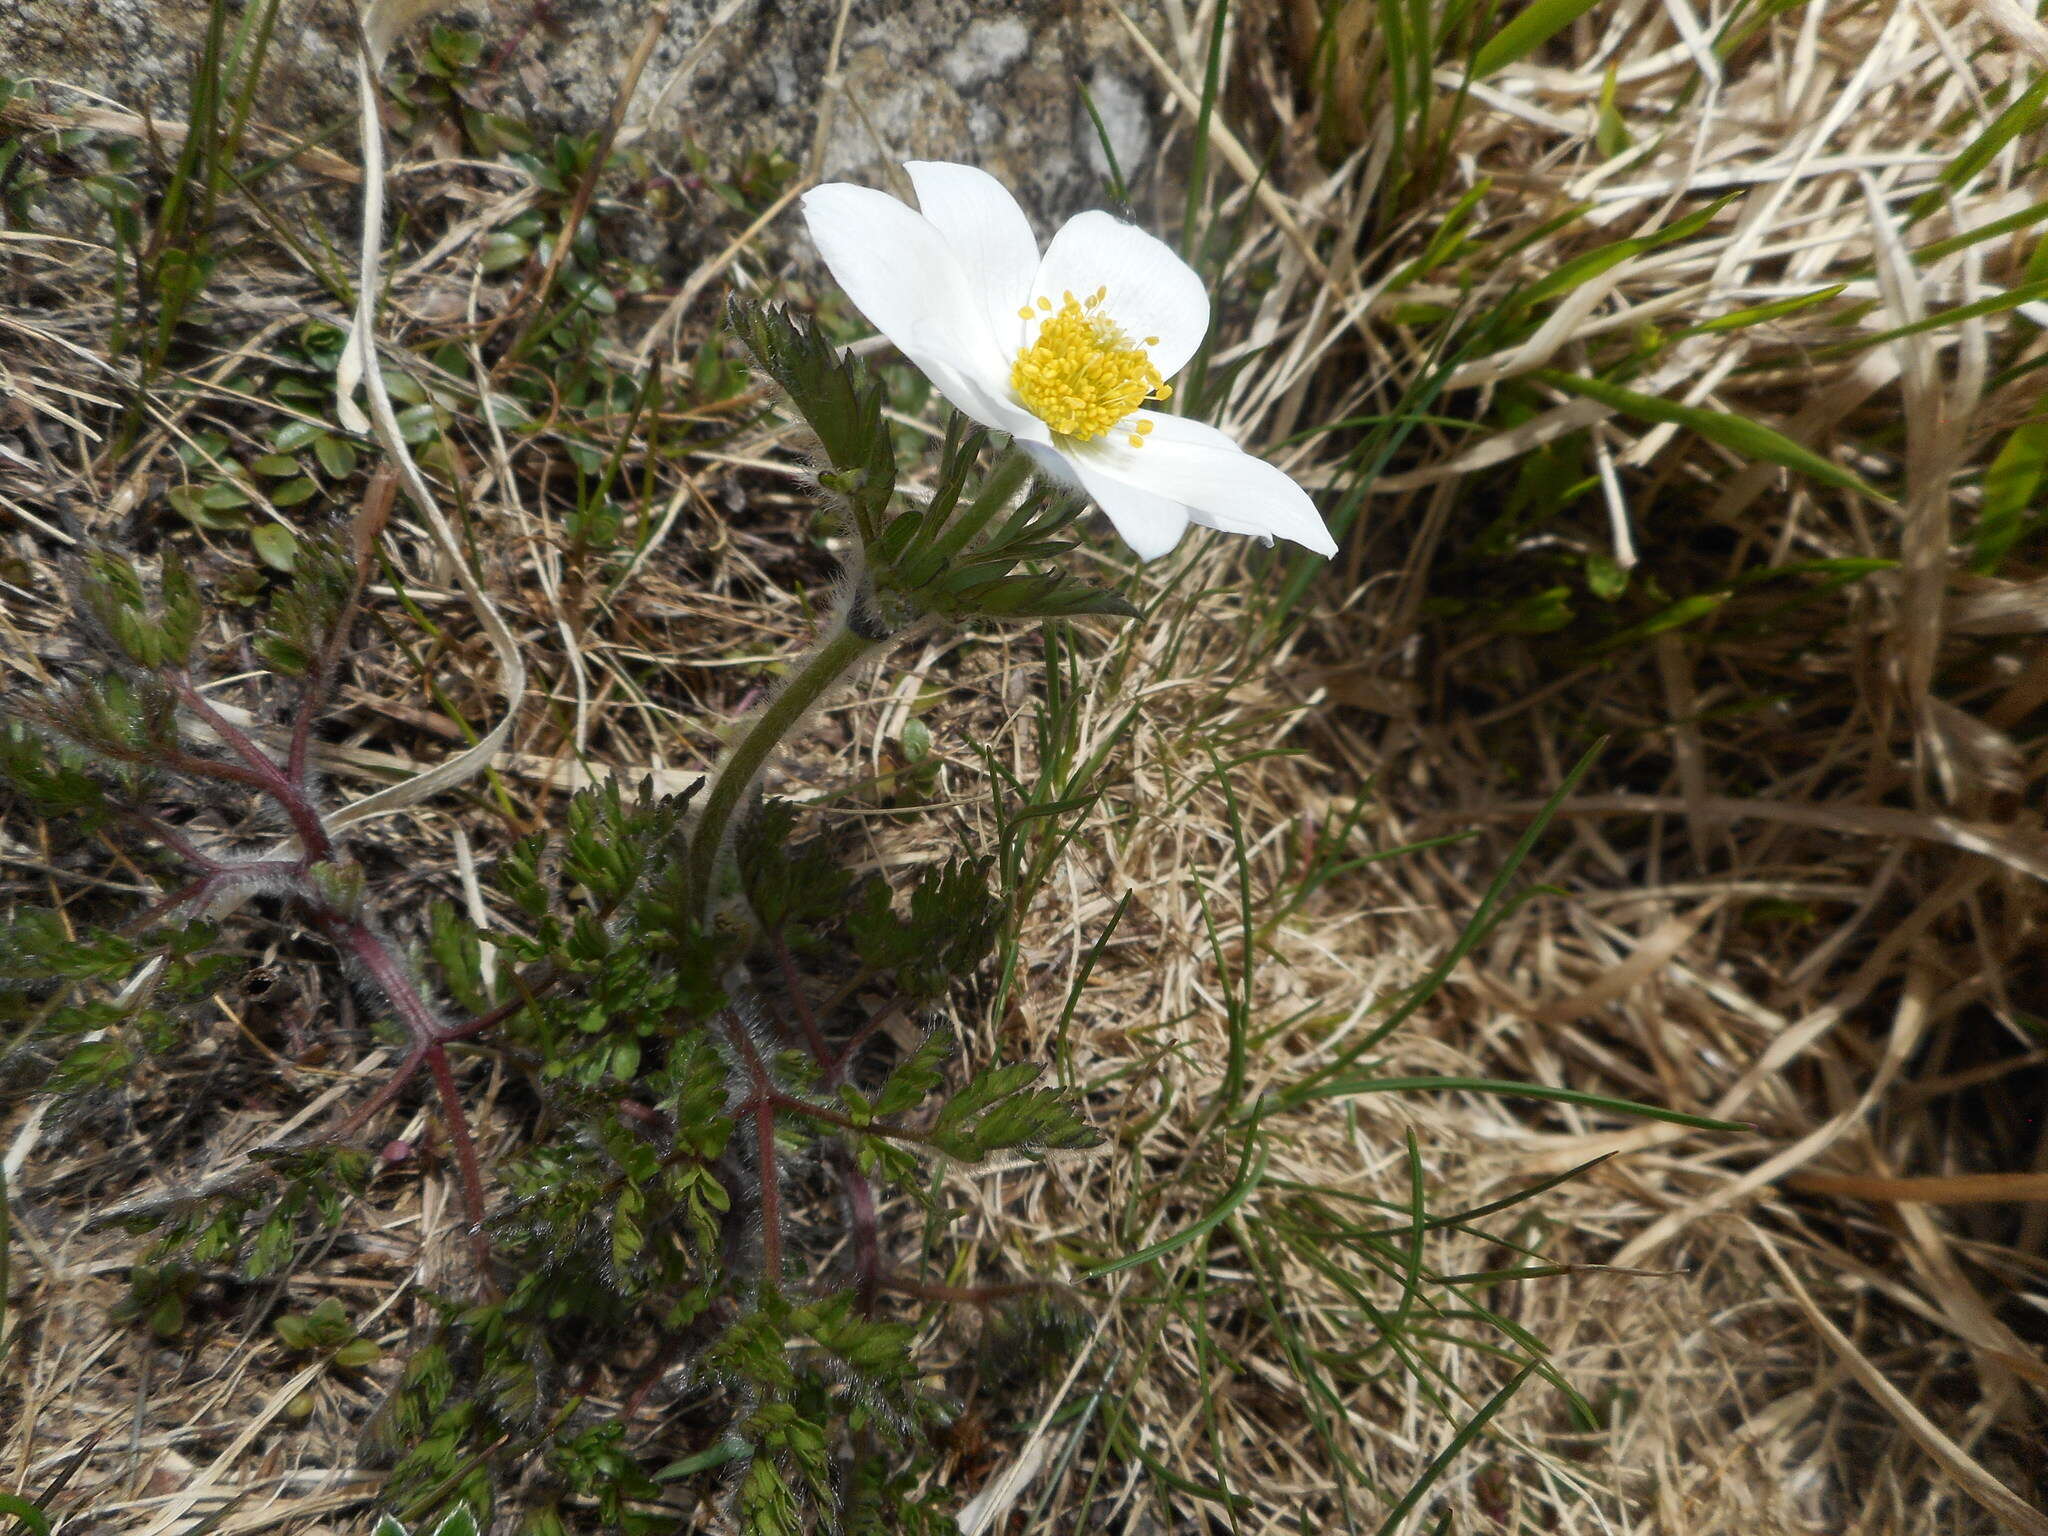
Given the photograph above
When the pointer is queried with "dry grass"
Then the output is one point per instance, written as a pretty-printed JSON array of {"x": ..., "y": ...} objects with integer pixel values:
[{"x": 1800, "y": 890}]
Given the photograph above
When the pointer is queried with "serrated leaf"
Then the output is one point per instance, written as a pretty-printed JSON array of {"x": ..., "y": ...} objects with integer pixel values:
[
  {"x": 916, "y": 1075},
  {"x": 838, "y": 398}
]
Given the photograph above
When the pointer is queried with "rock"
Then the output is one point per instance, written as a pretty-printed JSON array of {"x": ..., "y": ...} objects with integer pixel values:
[{"x": 991, "y": 83}]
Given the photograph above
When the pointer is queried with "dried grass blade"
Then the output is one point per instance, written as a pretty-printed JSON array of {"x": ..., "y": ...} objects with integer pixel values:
[
  {"x": 382, "y": 21},
  {"x": 2000, "y": 1501}
]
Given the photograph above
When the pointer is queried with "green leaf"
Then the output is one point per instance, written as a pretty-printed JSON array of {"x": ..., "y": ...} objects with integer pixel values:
[
  {"x": 1610, "y": 132},
  {"x": 2020, "y": 116},
  {"x": 167, "y": 1317},
  {"x": 1344, "y": 1087},
  {"x": 838, "y": 398},
  {"x": 188, "y": 502},
  {"x": 1605, "y": 578},
  {"x": 335, "y": 456},
  {"x": 1540, "y": 613},
  {"x": 1687, "y": 610},
  {"x": 1581, "y": 269},
  {"x": 2010, "y": 485},
  {"x": 294, "y": 435},
  {"x": 276, "y": 546},
  {"x": 1749, "y": 438},
  {"x": 30, "y": 1515},
  {"x": 916, "y": 1075},
  {"x": 1251, "y": 1172},
  {"x": 501, "y": 250},
  {"x": 1761, "y": 314},
  {"x": 1527, "y": 32}
]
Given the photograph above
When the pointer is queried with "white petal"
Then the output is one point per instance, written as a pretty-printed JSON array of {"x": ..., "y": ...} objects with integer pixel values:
[
  {"x": 1150, "y": 523},
  {"x": 990, "y": 235},
  {"x": 1220, "y": 484},
  {"x": 1152, "y": 292},
  {"x": 903, "y": 275}
]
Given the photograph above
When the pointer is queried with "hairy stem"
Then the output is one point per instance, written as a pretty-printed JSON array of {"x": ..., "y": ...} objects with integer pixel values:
[
  {"x": 866, "y": 1241},
  {"x": 355, "y": 937},
  {"x": 836, "y": 1069},
  {"x": 771, "y": 1198},
  {"x": 839, "y": 651},
  {"x": 799, "y": 1004},
  {"x": 761, "y": 1105},
  {"x": 465, "y": 1156},
  {"x": 262, "y": 772}
]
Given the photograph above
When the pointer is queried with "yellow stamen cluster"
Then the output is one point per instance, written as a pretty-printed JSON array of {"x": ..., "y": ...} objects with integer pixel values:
[{"x": 1083, "y": 375}]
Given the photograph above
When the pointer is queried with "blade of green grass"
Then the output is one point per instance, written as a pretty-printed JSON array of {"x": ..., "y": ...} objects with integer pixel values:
[
  {"x": 1492, "y": 907},
  {"x": 1504, "y": 1088},
  {"x": 1526, "y": 32},
  {"x": 1251, "y": 1169},
  {"x": 1751, "y": 439},
  {"x": 1441, "y": 1462}
]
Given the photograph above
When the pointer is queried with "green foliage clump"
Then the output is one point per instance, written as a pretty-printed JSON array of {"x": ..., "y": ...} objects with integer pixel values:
[{"x": 690, "y": 992}]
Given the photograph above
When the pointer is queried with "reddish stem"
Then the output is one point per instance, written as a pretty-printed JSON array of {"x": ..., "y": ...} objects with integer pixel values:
[
  {"x": 356, "y": 938},
  {"x": 835, "y": 1071},
  {"x": 867, "y": 1252},
  {"x": 465, "y": 1156},
  {"x": 198, "y": 892},
  {"x": 391, "y": 1088},
  {"x": 801, "y": 1005},
  {"x": 176, "y": 841},
  {"x": 762, "y": 1104},
  {"x": 771, "y": 1198},
  {"x": 498, "y": 1015},
  {"x": 264, "y": 773}
]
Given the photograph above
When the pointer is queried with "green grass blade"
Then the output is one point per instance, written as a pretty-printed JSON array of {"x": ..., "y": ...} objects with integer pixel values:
[
  {"x": 1441, "y": 1462},
  {"x": 1528, "y": 31},
  {"x": 1751, "y": 439},
  {"x": 1504, "y": 1088},
  {"x": 1251, "y": 1170},
  {"x": 1492, "y": 907}
]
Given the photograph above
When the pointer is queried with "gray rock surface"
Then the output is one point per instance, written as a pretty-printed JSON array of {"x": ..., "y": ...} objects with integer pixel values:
[{"x": 988, "y": 81}]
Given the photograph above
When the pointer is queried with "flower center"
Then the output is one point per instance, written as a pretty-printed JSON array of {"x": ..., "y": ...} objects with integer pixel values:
[{"x": 1083, "y": 375}]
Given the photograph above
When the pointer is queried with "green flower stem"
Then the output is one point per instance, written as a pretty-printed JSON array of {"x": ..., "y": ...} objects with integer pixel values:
[
  {"x": 824, "y": 667},
  {"x": 1008, "y": 476}
]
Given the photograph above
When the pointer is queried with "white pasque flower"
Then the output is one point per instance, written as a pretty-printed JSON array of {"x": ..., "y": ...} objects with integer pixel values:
[{"x": 1061, "y": 351}]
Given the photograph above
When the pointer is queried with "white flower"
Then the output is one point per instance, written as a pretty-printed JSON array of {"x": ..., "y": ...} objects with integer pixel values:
[{"x": 1061, "y": 351}]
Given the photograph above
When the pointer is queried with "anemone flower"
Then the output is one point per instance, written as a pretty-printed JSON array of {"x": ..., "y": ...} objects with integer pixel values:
[{"x": 1061, "y": 350}]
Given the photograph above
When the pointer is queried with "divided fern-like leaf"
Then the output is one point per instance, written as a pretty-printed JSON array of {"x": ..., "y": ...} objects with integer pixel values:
[{"x": 837, "y": 397}]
